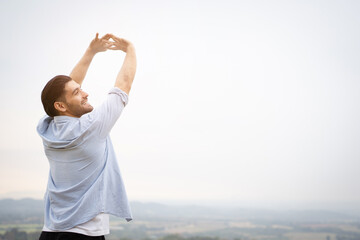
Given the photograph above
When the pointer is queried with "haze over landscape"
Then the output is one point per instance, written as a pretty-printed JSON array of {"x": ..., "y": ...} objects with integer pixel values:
[{"x": 241, "y": 103}]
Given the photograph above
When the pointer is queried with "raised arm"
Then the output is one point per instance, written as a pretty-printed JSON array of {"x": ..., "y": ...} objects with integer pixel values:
[
  {"x": 97, "y": 45},
  {"x": 126, "y": 75}
]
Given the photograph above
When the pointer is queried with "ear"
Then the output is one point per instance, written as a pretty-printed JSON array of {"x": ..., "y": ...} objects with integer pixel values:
[{"x": 60, "y": 107}]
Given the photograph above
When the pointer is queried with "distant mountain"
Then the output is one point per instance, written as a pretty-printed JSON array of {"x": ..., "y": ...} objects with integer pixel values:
[
  {"x": 31, "y": 211},
  {"x": 150, "y": 211},
  {"x": 25, "y": 210}
]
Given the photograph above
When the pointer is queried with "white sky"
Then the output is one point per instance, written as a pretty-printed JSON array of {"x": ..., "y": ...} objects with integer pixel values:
[{"x": 233, "y": 101}]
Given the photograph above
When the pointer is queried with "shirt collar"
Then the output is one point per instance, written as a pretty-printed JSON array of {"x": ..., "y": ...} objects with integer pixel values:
[{"x": 58, "y": 119}]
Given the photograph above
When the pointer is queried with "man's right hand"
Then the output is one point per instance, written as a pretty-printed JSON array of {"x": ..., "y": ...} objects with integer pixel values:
[
  {"x": 100, "y": 44},
  {"x": 96, "y": 45},
  {"x": 119, "y": 43}
]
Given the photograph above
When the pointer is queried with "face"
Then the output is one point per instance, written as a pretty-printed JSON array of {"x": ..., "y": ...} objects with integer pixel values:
[{"x": 76, "y": 101}]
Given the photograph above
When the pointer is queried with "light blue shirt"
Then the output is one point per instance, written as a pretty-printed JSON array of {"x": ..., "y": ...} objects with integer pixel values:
[{"x": 84, "y": 178}]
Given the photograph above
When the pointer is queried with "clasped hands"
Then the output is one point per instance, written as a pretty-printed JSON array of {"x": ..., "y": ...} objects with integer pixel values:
[{"x": 108, "y": 41}]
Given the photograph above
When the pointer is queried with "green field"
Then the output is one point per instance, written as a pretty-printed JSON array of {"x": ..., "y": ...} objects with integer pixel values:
[{"x": 28, "y": 228}]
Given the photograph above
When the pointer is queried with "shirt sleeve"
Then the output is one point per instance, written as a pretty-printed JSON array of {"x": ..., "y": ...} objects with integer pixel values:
[{"x": 105, "y": 116}]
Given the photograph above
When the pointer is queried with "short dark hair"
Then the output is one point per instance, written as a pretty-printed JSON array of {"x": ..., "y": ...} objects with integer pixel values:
[{"x": 52, "y": 92}]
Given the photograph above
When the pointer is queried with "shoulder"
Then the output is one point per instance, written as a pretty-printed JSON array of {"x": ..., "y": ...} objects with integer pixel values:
[{"x": 102, "y": 118}]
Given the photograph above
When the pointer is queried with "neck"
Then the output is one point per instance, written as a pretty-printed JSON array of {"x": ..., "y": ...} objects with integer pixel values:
[{"x": 68, "y": 114}]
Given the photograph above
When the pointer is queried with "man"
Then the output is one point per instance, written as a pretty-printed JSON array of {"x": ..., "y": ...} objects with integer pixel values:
[{"x": 84, "y": 184}]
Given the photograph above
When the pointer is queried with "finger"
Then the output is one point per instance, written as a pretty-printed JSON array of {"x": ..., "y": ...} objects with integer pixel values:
[
  {"x": 115, "y": 38},
  {"x": 107, "y": 41},
  {"x": 108, "y": 45},
  {"x": 106, "y": 36},
  {"x": 97, "y": 36}
]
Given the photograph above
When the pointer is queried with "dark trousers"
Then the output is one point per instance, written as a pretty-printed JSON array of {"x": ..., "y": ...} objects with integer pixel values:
[{"x": 67, "y": 236}]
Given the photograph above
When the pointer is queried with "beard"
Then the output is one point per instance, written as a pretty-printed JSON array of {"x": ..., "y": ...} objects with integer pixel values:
[{"x": 78, "y": 110}]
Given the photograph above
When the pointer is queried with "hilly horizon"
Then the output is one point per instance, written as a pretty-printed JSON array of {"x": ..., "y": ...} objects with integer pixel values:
[{"x": 31, "y": 211}]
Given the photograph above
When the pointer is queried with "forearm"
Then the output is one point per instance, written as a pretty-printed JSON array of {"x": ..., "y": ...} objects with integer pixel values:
[
  {"x": 79, "y": 72},
  {"x": 126, "y": 75}
]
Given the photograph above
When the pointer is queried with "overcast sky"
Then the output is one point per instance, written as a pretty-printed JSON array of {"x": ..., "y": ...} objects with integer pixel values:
[{"x": 251, "y": 102}]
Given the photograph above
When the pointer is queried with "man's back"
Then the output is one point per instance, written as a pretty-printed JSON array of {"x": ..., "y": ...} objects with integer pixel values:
[{"x": 84, "y": 177}]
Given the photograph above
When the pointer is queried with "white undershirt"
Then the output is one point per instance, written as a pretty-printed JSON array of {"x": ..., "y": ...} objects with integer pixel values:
[{"x": 97, "y": 226}]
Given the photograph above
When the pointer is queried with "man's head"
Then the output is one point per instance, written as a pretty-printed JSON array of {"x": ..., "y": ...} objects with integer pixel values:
[{"x": 63, "y": 96}]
